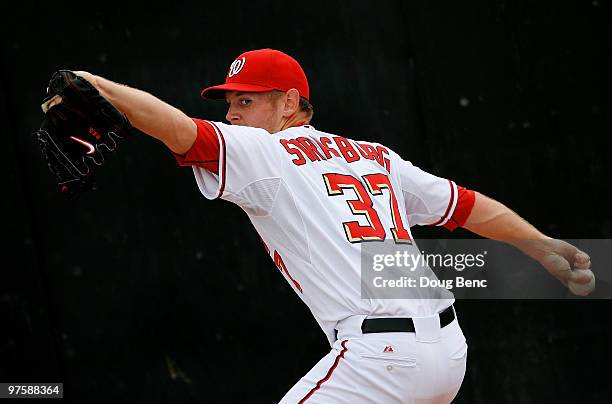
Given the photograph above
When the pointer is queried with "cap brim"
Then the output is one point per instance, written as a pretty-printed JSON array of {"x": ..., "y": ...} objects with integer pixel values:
[{"x": 218, "y": 92}]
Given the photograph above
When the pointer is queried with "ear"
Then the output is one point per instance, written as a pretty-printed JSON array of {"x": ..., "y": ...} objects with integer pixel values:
[{"x": 292, "y": 102}]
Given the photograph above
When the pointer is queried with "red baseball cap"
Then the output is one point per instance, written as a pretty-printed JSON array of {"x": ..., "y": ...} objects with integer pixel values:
[{"x": 261, "y": 70}]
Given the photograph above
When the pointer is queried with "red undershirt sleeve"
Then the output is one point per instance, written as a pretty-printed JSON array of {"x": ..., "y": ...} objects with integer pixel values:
[
  {"x": 205, "y": 150},
  {"x": 465, "y": 203}
]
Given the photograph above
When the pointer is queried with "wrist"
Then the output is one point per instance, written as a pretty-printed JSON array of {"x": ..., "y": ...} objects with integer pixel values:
[{"x": 537, "y": 248}]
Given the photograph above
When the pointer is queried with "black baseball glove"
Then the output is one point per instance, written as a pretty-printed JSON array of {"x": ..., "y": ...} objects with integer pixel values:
[{"x": 80, "y": 126}]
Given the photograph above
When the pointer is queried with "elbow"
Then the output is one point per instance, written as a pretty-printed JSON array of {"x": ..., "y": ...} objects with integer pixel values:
[
  {"x": 484, "y": 212},
  {"x": 184, "y": 133}
]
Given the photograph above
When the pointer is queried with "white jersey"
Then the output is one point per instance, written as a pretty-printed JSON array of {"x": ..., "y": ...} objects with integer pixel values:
[{"x": 314, "y": 198}]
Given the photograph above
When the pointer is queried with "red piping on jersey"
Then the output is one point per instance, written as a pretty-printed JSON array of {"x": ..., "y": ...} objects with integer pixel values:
[
  {"x": 222, "y": 179},
  {"x": 329, "y": 373},
  {"x": 205, "y": 150},
  {"x": 450, "y": 204}
]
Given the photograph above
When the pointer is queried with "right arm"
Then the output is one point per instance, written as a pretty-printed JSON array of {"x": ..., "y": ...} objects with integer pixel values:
[
  {"x": 148, "y": 113},
  {"x": 492, "y": 219},
  {"x": 426, "y": 196}
]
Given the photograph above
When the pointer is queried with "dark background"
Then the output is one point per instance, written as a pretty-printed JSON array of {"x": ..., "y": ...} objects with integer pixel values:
[{"x": 145, "y": 292}]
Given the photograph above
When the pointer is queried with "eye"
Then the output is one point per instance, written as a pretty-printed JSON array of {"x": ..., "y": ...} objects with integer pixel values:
[{"x": 244, "y": 101}]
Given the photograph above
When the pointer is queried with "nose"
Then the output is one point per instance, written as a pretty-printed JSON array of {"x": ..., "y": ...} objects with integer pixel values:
[{"x": 232, "y": 116}]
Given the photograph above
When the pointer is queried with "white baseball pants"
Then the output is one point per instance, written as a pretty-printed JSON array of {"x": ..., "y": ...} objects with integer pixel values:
[{"x": 426, "y": 366}]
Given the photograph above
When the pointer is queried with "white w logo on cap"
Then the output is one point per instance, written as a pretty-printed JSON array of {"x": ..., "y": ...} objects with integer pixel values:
[{"x": 236, "y": 66}]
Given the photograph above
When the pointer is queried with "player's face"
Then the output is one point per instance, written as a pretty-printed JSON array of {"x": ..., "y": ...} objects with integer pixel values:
[{"x": 259, "y": 110}]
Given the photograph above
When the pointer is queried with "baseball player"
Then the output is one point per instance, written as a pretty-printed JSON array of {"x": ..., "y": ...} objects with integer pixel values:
[{"x": 316, "y": 198}]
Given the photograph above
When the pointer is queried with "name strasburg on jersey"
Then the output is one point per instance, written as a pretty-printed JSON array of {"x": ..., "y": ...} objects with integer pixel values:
[{"x": 323, "y": 148}]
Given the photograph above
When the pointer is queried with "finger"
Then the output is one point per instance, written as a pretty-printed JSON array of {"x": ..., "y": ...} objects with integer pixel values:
[
  {"x": 56, "y": 99},
  {"x": 558, "y": 267},
  {"x": 582, "y": 260}
]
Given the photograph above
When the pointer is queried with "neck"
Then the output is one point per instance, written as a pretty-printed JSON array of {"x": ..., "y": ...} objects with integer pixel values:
[{"x": 296, "y": 119}]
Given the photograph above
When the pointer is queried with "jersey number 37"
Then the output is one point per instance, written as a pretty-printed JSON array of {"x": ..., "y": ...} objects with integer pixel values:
[{"x": 375, "y": 183}]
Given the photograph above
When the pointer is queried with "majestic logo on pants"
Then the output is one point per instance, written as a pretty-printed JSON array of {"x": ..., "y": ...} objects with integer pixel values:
[{"x": 236, "y": 66}]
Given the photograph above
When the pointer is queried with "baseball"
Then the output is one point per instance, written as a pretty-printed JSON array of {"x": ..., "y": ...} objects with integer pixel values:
[{"x": 583, "y": 289}]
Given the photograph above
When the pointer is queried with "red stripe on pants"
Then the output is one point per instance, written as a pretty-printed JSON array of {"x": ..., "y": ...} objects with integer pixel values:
[{"x": 329, "y": 373}]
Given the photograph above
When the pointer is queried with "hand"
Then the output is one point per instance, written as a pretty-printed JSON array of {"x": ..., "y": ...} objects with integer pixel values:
[
  {"x": 80, "y": 126},
  {"x": 565, "y": 262}
]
